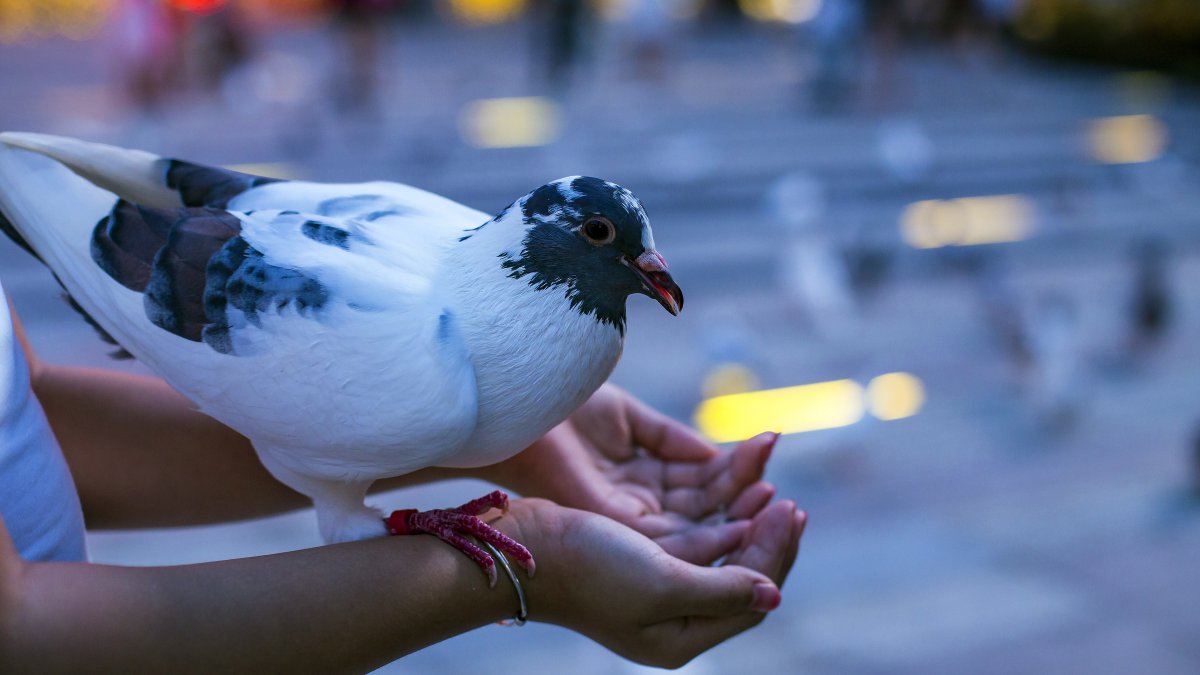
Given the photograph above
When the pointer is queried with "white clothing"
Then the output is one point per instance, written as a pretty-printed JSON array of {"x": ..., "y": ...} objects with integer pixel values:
[{"x": 37, "y": 496}]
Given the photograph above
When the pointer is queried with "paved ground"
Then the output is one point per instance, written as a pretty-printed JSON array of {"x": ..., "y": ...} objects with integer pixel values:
[{"x": 970, "y": 538}]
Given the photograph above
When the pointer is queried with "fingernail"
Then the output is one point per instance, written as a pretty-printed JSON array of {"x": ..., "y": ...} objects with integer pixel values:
[
  {"x": 770, "y": 447},
  {"x": 766, "y": 598}
]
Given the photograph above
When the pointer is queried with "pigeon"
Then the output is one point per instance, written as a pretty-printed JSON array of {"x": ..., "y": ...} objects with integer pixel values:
[{"x": 352, "y": 332}]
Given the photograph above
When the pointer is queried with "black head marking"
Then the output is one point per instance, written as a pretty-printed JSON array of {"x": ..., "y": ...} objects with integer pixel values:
[{"x": 554, "y": 253}]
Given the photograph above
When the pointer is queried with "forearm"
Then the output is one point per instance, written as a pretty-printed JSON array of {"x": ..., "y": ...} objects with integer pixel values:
[{"x": 342, "y": 608}]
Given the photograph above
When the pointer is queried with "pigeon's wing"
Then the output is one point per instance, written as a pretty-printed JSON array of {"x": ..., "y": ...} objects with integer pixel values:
[{"x": 318, "y": 329}]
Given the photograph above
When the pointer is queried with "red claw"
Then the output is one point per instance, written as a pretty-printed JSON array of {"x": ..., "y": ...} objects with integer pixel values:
[{"x": 450, "y": 525}]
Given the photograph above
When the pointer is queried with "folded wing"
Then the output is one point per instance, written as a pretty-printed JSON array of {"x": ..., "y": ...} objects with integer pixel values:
[{"x": 253, "y": 296}]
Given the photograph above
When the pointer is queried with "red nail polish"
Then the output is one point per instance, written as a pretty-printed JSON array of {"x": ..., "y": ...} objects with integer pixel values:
[{"x": 766, "y": 598}]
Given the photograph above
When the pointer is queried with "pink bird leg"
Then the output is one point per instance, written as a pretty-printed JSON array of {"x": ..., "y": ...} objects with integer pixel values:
[{"x": 450, "y": 525}]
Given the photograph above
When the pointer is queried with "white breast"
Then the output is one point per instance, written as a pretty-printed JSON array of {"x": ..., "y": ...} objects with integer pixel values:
[{"x": 536, "y": 360}]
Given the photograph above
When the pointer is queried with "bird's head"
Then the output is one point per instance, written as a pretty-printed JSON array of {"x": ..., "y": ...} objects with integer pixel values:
[{"x": 592, "y": 238}]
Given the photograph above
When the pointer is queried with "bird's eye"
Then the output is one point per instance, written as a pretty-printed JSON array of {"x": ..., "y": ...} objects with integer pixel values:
[{"x": 599, "y": 231}]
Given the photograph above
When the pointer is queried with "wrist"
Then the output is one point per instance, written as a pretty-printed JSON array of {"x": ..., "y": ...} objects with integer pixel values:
[{"x": 532, "y": 522}]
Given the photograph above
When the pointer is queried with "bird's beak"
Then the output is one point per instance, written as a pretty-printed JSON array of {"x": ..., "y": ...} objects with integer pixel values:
[{"x": 657, "y": 283}]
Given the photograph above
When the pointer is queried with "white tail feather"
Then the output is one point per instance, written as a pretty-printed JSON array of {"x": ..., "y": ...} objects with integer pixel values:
[
  {"x": 55, "y": 211},
  {"x": 134, "y": 175}
]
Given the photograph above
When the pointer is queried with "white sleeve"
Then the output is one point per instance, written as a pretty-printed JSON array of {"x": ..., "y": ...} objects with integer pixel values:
[{"x": 37, "y": 496}]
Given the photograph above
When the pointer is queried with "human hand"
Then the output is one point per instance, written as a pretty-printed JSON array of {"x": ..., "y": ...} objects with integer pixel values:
[
  {"x": 619, "y": 588},
  {"x": 618, "y": 457}
]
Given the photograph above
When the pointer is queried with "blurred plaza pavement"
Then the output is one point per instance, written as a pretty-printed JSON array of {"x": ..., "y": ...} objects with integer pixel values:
[{"x": 972, "y": 537}]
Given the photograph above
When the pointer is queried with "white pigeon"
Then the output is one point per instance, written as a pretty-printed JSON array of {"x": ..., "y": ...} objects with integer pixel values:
[{"x": 351, "y": 331}]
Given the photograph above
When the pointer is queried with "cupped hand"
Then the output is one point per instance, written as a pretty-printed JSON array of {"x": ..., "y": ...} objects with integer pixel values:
[
  {"x": 616, "y": 586},
  {"x": 617, "y": 457}
]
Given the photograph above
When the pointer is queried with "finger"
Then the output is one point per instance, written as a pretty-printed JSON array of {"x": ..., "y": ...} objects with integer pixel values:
[
  {"x": 725, "y": 591},
  {"x": 752, "y": 500},
  {"x": 685, "y": 474},
  {"x": 695, "y": 490},
  {"x": 706, "y": 627},
  {"x": 799, "y": 522},
  {"x": 659, "y": 525},
  {"x": 704, "y": 544},
  {"x": 663, "y": 436},
  {"x": 716, "y": 604},
  {"x": 749, "y": 458},
  {"x": 691, "y": 503},
  {"x": 769, "y": 540}
]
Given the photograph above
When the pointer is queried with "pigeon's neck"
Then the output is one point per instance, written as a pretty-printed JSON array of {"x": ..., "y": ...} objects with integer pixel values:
[{"x": 536, "y": 357}]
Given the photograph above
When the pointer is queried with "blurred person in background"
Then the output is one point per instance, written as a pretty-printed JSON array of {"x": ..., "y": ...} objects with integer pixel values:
[
  {"x": 993, "y": 285},
  {"x": 126, "y": 451},
  {"x": 360, "y": 31},
  {"x": 218, "y": 43},
  {"x": 836, "y": 35},
  {"x": 648, "y": 33},
  {"x": 855, "y": 46},
  {"x": 146, "y": 44},
  {"x": 560, "y": 33},
  {"x": 1150, "y": 304},
  {"x": 1055, "y": 343}
]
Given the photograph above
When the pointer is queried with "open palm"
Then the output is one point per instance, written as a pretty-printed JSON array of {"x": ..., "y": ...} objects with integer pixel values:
[{"x": 617, "y": 457}]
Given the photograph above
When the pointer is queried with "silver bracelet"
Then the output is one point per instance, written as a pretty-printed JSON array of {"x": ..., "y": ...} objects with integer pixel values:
[{"x": 523, "y": 613}]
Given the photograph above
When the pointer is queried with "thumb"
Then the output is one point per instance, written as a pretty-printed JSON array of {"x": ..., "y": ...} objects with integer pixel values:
[
  {"x": 721, "y": 602},
  {"x": 727, "y": 591}
]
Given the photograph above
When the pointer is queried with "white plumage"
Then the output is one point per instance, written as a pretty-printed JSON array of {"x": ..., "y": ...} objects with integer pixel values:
[{"x": 355, "y": 331}]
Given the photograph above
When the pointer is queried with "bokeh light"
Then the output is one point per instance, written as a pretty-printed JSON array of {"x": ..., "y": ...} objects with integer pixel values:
[
  {"x": 729, "y": 378},
  {"x": 74, "y": 19},
  {"x": 782, "y": 11},
  {"x": 510, "y": 122},
  {"x": 789, "y": 410},
  {"x": 486, "y": 11},
  {"x": 967, "y": 221},
  {"x": 1126, "y": 139},
  {"x": 894, "y": 396}
]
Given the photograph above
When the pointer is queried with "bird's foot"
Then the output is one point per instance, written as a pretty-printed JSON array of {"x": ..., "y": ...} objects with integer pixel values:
[{"x": 450, "y": 525}]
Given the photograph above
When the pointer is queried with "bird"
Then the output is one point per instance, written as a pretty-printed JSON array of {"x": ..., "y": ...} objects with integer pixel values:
[{"x": 351, "y": 332}]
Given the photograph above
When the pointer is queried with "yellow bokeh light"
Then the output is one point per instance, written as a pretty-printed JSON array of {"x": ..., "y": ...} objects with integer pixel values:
[
  {"x": 486, "y": 11},
  {"x": 75, "y": 19},
  {"x": 16, "y": 19},
  {"x": 808, "y": 407},
  {"x": 894, "y": 396},
  {"x": 510, "y": 122},
  {"x": 729, "y": 378},
  {"x": 1126, "y": 139},
  {"x": 784, "y": 11},
  {"x": 967, "y": 221}
]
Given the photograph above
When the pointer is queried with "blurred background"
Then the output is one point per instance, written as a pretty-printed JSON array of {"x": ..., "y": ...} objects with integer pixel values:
[{"x": 951, "y": 248}]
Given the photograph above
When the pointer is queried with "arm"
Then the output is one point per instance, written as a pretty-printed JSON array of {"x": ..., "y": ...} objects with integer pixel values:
[
  {"x": 328, "y": 609},
  {"x": 357, "y": 606}
]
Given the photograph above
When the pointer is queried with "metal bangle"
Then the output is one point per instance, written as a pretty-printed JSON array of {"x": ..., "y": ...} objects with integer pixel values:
[{"x": 523, "y": 613}]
